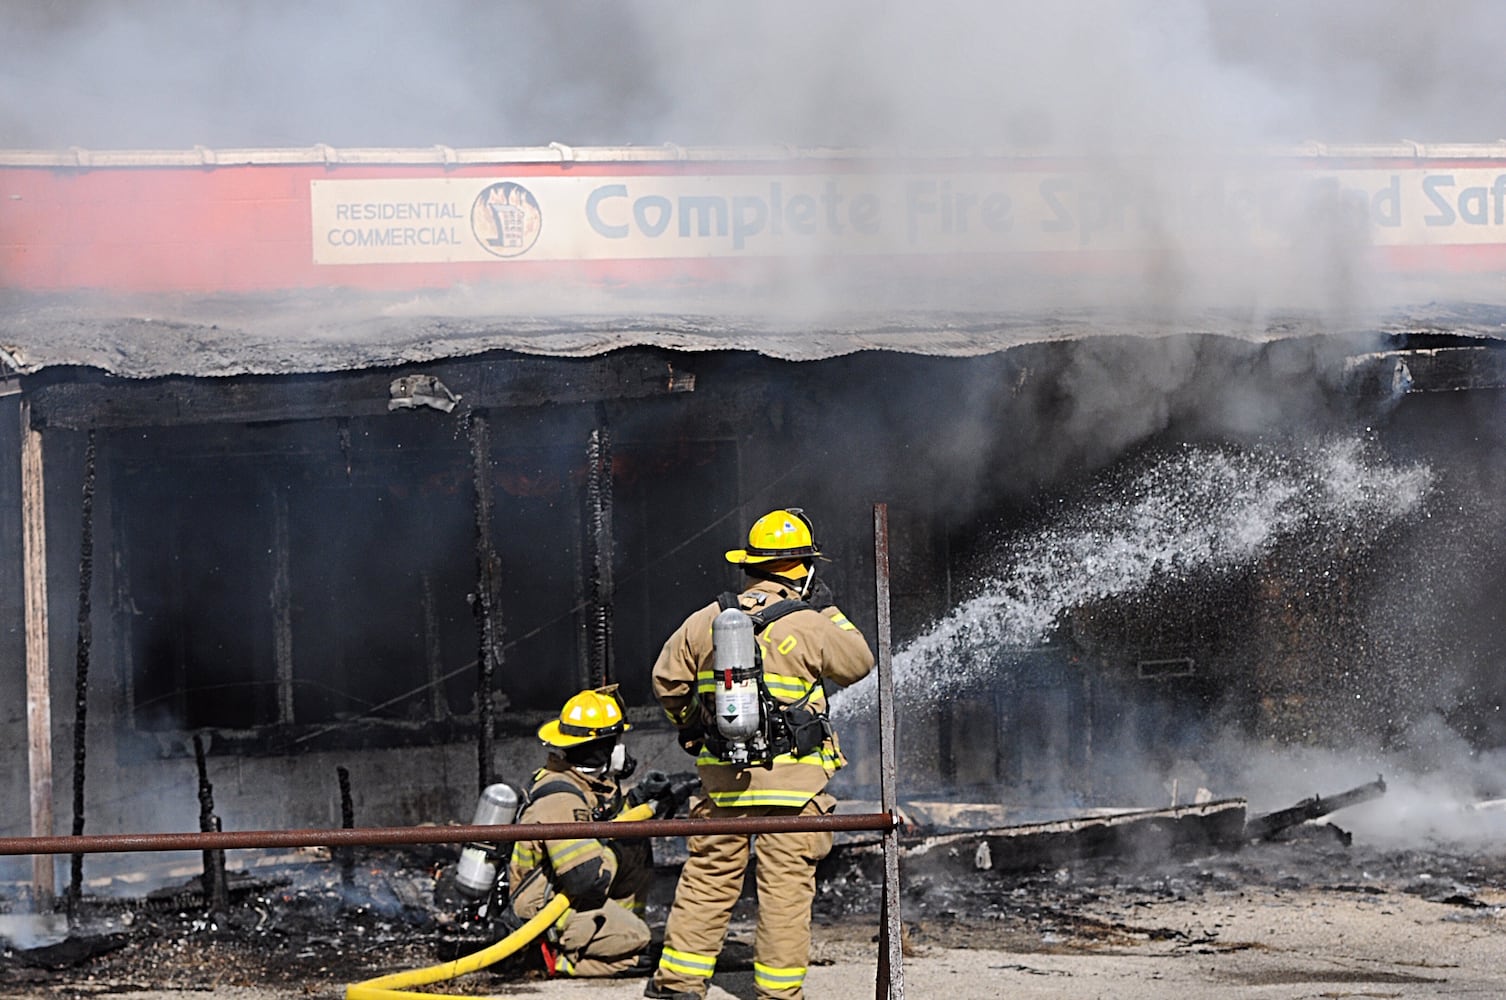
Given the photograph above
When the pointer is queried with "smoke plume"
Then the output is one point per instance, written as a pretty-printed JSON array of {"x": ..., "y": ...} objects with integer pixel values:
[{"x": 1079, "y": 75}]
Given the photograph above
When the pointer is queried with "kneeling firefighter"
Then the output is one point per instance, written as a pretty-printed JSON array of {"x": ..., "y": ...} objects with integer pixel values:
[
  {"x": 607, "y": 881},
  {"x": 743, "y": 681}
]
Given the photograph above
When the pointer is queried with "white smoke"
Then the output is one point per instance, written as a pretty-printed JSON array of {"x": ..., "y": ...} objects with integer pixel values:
[{"x": 1439, "y": 791}]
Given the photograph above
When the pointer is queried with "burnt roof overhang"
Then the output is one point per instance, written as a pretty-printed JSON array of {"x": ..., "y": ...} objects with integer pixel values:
[{"x": 313, "y": 333}]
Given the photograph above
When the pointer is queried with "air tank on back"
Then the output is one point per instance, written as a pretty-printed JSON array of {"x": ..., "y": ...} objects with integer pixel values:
[
  {"x": 735, "y": 663},
  {"x": 476, "y": 873}
]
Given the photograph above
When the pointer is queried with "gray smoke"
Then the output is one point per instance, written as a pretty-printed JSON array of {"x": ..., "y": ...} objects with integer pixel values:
[
  {"x": 1079, "y": 75},
  {"x": 1439, "y": 791},
  {"x": 1130, "y": 86}
]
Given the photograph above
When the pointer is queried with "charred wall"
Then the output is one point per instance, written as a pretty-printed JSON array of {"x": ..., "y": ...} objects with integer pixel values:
[
  {"x": 12, "y": 615},
  {"x": 289, "y": 569}
]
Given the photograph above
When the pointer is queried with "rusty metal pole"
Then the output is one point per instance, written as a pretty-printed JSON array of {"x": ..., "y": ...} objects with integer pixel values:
[
  {"x": 130, "y": 843},
  {"x": 38, "y": 682},
  {"x": 890, "y": 984}
]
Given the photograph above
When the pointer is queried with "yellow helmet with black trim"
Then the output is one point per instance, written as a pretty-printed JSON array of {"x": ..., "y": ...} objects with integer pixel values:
[
  {"x": 778, "y": 535},
  {"x": 588, "y": 716}
]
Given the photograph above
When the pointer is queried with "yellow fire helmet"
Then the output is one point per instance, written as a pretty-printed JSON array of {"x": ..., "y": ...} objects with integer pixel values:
[
  {"x": 779, "y": 534},
  {"x": 590, "y": 715}
]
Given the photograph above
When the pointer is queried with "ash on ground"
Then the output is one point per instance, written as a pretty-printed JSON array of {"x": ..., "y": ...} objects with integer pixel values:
[{"x": 322, "y": 923}]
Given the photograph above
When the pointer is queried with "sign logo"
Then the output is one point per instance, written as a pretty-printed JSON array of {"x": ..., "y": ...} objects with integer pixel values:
[{"x": 506, "y": 219}]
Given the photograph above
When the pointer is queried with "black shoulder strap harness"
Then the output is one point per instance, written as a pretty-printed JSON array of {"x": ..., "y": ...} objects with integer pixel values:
[{"x": 765, "y": 615}]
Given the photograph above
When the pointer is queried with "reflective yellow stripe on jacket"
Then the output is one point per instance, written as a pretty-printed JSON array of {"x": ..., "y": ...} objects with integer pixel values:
[
  {"x": 819, "y": 757},
  {"x": 761, "y": 797},
  {"x": 840, "y": 620},
  {"x": 786, "y": 688},
  {"x": 563, "y": 854}
]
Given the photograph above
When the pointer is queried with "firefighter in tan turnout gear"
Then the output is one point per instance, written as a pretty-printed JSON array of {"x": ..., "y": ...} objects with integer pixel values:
[
  {"x": 742, "y": 680},
  {"x": 603, "y": 933}
]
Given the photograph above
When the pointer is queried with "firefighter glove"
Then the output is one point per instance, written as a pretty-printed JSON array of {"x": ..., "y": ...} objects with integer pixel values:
[
  {"x": 682, "y": 786},
  {"x": 653, "y": 787},
  {"x": 820, "y": 596},
  {"x": 691, "y": 738}
]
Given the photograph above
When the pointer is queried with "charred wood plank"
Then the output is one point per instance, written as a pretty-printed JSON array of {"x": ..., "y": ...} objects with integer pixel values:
[
  {"x": 1138, "y": 834},
  {"x": 1436, "y": 369},
  {"x": 74, "y": 950},
  {"x": 344, "y": 855},
  {"x": 488, "y": 603},
  {"x": 1265, "y": 826},
  {"x": 81, "y": 670},
  {"x": 599, "y": 545},
  {"x": 38, "y": 674},
  {"x": 216, "y": 892},
  {"x": 76, "y": 401}
]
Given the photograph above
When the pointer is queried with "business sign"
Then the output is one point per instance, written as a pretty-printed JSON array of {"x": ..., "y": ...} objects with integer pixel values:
[{"x": 670, "y": 216}]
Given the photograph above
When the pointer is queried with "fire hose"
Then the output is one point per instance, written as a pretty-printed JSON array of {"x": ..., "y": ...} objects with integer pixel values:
[{"x": 390, "y": 987}]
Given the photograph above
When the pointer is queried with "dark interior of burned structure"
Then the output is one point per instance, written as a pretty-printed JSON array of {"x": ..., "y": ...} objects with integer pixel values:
[{"x": 294, "y": 563}]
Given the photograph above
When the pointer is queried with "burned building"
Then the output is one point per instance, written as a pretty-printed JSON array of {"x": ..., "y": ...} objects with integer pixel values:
[{"x": 367, "y": 459}]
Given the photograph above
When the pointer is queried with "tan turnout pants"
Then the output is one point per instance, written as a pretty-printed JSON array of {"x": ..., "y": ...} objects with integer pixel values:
[
  {"x": 608, "y": 941},
  {"x": 601, "y": 942},
  {"x": 710, "y": 885}
]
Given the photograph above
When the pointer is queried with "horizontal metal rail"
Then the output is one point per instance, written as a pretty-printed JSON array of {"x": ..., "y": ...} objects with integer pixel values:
[{"x": 406, "y": 835}]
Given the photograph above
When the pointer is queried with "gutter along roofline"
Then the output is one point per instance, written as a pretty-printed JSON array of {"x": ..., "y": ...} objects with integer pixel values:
[{"x": 558, "y": 153}]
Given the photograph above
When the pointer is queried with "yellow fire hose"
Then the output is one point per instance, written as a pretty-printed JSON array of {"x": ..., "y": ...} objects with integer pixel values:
[{"x": 390, "y": 987}]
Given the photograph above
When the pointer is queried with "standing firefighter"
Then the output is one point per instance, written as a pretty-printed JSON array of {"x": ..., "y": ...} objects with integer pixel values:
[
  {"x": 603, "y": 932},
  {"x": 742, "y": 680}
]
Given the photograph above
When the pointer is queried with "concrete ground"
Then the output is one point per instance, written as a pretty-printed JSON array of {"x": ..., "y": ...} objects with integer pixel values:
[
  {"x": 1312, "y": 918},
  {"x": 1246, "y": 943}
]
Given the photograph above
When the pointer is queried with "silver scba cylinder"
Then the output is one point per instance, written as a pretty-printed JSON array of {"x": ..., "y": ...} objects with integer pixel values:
[
  {"x": 734, "y": 659},
  {"x": 476, "y": 873}
]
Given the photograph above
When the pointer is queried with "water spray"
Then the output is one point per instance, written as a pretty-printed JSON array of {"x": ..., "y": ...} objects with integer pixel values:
[{"x": 1200, "y": 510}]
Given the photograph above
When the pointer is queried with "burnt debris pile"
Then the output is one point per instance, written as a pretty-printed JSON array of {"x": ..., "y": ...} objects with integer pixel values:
[{"x": 1082, "y": 880}]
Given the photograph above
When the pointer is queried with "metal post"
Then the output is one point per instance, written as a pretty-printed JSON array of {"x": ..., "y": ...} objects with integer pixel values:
[
  {"x": 393, "y": 836},
  {"x": 38, "y": 689},
  {"x": 891, "y": 965}
]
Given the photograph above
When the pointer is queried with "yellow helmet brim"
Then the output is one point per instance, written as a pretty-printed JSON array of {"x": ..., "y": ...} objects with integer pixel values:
[
  {"x": 551, "y": 734},
  {"x": 740, "y": 557}
]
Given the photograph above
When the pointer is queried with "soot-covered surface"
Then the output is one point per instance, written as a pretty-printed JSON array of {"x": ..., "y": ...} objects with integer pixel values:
[{"x": 308, "y": 929}]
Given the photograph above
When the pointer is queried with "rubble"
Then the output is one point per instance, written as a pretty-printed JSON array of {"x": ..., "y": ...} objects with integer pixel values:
[
  {"x": 1098, "y": 884},
  {"x": 1124, "y": 834},
  {"x": 1275, "y": 823}
]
